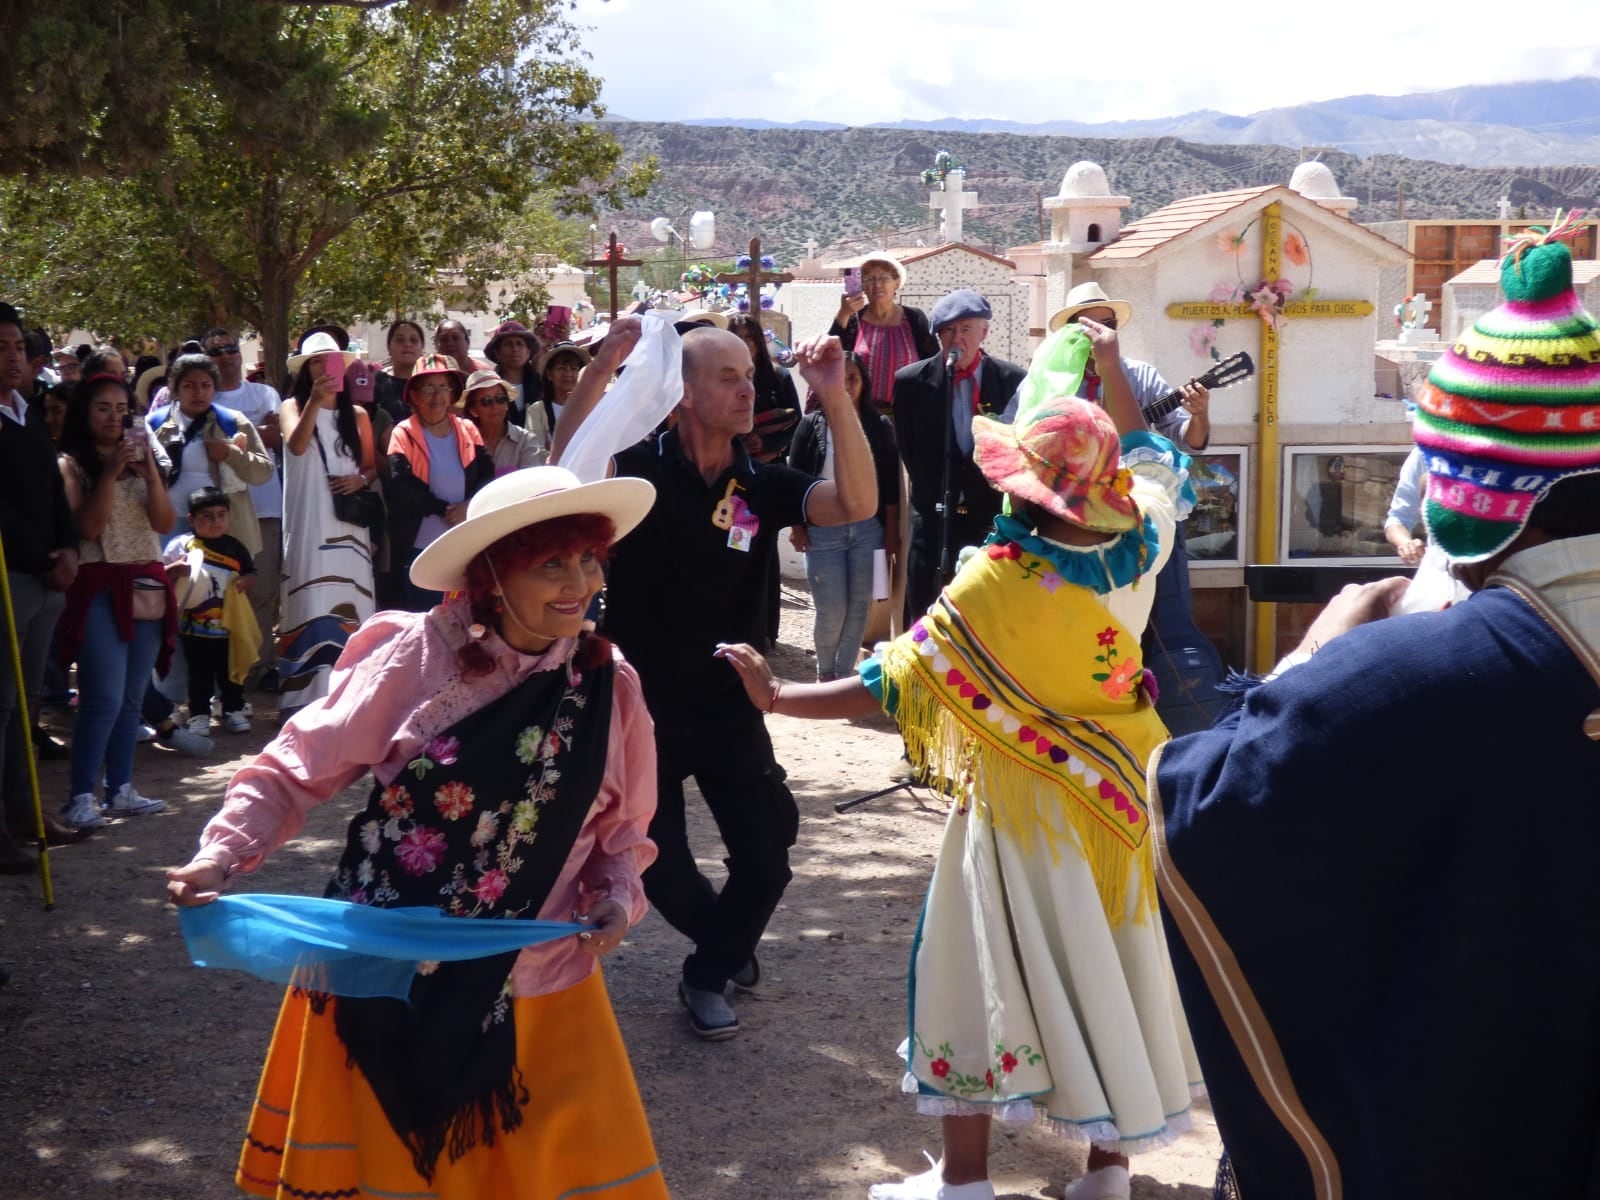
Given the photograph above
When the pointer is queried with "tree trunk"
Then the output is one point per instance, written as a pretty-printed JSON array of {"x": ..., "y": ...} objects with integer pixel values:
[{"x": 277, "y": 293}]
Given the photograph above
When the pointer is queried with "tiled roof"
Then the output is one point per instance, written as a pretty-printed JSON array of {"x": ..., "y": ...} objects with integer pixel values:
[{"x": 1189, "y": 215}]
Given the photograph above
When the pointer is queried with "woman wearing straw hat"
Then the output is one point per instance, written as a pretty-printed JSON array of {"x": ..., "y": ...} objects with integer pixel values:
[
  {"x": 515, "y": 776},
  {"x": 887, "y": 334},
  {"x": 1040, "y": 980},
  {"x": 437, "y": 462},
  {"x": 487, "y": 401},
  {"x": 327, "y": 587}
]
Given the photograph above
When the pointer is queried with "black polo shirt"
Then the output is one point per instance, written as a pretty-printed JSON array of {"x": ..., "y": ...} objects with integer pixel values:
[{"x": 696, "y": 572}]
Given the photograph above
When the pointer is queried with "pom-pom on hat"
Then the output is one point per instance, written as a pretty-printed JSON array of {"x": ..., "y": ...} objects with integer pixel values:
[{"x": 1514, "y": 406}]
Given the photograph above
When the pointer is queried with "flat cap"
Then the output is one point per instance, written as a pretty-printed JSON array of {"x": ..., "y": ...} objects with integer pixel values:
[{"x": 959, "y": 305}]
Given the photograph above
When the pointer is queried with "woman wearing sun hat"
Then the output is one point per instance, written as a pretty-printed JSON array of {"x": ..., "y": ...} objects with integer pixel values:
[
  {"x": 327, "y": 587},
  {"x": 486, "y": 400},
  {"x": 437, "y": 462},
  {"x": 485, "y": 721},
  {"x": 1040, "y": 980},
  {"x": 887, "y": 334},
  {"x": 513, "y": 348}
]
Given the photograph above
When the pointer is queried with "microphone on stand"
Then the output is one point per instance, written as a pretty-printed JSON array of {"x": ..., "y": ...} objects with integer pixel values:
[{"x": 952, "y": 358}]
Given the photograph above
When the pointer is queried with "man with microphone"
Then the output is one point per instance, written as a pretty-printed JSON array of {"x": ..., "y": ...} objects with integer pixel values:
[{"x": 977, "y": 383}]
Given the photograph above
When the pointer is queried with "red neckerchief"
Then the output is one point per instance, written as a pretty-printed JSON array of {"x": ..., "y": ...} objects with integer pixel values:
[
  {"x": 969, "y": 372},
  {"x": 1091, "y": 384}
]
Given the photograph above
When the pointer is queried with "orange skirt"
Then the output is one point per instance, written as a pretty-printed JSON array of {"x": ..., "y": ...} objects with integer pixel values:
[{"x": 318, "y": 1131}]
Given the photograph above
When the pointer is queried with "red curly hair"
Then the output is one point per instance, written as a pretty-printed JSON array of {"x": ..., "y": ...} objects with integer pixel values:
[{"x": 579, "y": 533}]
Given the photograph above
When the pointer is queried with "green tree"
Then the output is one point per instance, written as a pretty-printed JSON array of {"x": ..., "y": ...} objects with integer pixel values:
[{"x": 332, "y": 159}]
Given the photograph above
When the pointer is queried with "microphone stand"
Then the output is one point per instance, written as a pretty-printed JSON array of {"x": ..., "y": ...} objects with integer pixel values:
[{"x": 946, "y": 510}]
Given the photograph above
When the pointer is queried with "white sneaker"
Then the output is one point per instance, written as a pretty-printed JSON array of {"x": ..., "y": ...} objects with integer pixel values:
[
  {"x": 81, "y": 812},
  {"x": 1106, "y": 1183},
  {"x": 196, "y": 745},
  {"x": 930, "y": 1185},
  {"x": 128, "y": 803},
  {"x": 236, "y": 722},
  {"x": 200, "y": 725}
]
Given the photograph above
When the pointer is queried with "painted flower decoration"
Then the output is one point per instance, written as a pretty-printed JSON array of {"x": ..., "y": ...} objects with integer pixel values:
[
  {"x": 1122, "y": 482},
  {"x": 1050, "y": 581},
  {"x": 1123, "y": 676},
  {"x": 528, "y": 744},
  {"x": 396, "y": 801},
  {"x": 940, "y": 1067},
  {"x": 1231, "y": 241},
  {"x": 453, "y": 800},
  {"x": 988, "y": 1080},
  {"x": 1225, "y": 293},
  {"x": 1202, "y": 338},
  {"x": 1008, "y": 1062},
  {"x": 491, "y": 886},
  {"x": 420, "y": 850},
  {"x": 1295, "y": 250},
  {"x": 1106, "y": 637}
]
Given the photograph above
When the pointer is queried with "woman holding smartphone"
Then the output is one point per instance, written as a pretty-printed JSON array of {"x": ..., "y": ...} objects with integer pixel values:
[
  {"x": 327, "y": 561},
  {"x": 887, "y": 334}
]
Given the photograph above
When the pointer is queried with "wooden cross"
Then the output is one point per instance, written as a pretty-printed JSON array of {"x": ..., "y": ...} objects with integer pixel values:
[
  {"x": 754, "y": 278},
  {"x": 1271, "y": 221},
  {"x": 952, "y": 201},
  {"x": 612, "y": 261}
]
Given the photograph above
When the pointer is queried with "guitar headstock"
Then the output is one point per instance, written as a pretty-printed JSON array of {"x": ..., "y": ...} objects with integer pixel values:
[{"x": 1229, "y": 371}]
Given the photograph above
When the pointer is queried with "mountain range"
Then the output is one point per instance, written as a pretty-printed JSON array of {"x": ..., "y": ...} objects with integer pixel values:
[
  {"x": 1541, "y": 123},
  {"x": 851, "y": 189}
]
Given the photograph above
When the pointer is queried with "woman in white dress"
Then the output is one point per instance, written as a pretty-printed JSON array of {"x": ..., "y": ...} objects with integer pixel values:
[
  {"x": 327, "y": 561},
  {"x": 1040, "y": 988}
]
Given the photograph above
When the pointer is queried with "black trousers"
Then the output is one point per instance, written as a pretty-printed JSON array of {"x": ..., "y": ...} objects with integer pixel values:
[
  {"x": 207, "y": 661},
  {"x": 923, "y": 579},
  {"x": 731, "y": 759}
]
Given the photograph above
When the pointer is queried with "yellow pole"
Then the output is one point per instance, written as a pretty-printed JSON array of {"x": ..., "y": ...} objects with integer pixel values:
[
  {"x": 1267, "y": 476},
  {"x": 27, "y": 731}
]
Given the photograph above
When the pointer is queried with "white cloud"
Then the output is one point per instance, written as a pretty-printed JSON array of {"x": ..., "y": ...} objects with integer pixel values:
[{"x": 861, "y": 61}]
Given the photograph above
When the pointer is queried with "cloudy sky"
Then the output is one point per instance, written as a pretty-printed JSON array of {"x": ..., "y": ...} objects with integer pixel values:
[{"x": 860, "y": 61}]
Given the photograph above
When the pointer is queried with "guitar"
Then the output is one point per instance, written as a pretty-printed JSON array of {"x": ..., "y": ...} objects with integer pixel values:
[
  {"x": 1224, "y": 374},
  {"x": 1186, "y": 665}
]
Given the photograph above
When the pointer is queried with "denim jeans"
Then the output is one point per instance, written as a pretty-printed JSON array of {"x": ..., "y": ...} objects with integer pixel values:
[
  {"x": 112, "y": 675},
  {"x": 839, "y": 568}
]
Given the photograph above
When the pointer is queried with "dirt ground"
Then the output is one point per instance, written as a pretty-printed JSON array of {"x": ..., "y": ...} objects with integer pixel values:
[{"x": 127, "y": 1072}]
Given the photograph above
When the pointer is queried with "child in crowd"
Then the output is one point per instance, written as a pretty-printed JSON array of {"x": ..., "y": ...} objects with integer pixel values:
[{"x": 215, "y": 624}]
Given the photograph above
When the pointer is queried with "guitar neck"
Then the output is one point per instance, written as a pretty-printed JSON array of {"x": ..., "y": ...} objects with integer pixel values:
[
  {"x": 1157, "y": 409},
  {"x": 1228, "y": 371}
]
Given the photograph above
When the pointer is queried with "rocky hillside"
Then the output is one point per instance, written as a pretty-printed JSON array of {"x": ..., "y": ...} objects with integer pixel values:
[{"x": 838, "y": 186}]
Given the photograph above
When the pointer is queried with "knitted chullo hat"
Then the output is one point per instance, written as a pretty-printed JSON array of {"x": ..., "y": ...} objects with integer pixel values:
[{"x": 1514, "y": 406}]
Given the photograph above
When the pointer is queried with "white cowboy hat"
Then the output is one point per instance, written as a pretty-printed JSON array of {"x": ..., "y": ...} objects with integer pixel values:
[
  {"x": 1086, "y": 296},
  {"x": 517, "y": 500},
  {"x": 316, "y": 346}
]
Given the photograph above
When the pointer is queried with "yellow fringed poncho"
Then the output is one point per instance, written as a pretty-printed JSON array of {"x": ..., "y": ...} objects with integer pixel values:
[{"x": 1020, "y": 692}]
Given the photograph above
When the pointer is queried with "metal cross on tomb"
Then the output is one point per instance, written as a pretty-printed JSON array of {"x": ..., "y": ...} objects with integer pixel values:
[
  {"x": 613, "y": 260},
  {"x": 754, "y": 278}
]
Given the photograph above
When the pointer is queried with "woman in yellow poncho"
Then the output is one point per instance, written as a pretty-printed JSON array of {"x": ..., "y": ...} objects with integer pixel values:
[{"x": 1040, "y": 983}]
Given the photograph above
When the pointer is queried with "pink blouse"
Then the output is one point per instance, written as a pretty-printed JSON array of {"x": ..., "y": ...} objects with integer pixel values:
[{"x": 397, "y": 685}]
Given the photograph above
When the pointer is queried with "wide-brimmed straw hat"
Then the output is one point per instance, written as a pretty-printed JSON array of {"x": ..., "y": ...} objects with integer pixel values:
[
  {"x": 1086, "y": 296},
  {"x": 520, "y": 499},
  {"x": 316, "y": 346},
  {"x": 148, "y": 379}
]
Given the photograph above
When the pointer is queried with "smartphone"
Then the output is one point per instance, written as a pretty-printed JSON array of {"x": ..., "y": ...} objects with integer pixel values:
[
  {"x": 135, "y": 430},
  {"x": 333, "y": 364},
  {"x": 852, "y": 282}
]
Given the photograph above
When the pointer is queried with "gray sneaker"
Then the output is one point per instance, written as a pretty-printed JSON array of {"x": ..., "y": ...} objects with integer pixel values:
[
  {"x": 747, "y": 977},
  {"x": 710, "y": 1015},
  {"x": 184, "y": 740}
]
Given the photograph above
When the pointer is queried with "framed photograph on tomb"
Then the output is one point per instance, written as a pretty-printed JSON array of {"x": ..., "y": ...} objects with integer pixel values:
[
  {"x": 1335, "y": 499},
  {"x": 1215, "y": 529}
]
